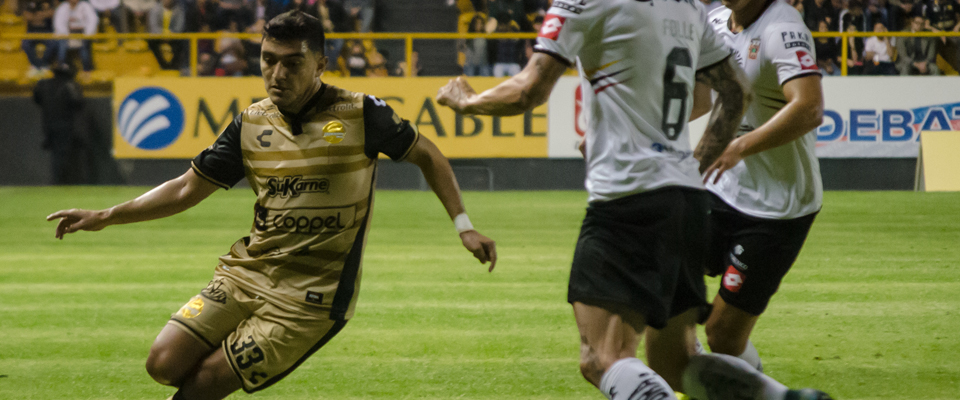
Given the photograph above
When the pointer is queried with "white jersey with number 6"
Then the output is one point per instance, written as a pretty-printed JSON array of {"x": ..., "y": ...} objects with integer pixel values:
[
  {"x": 783, "y": 182},
  {"x": 637, "y": 61}
]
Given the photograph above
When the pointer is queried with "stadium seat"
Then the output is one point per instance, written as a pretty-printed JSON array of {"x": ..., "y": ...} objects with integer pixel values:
[
  {"x": 135, "y": 46},
  {"x": 9, "y": 46},
  {"x": 9, "y": 76}
]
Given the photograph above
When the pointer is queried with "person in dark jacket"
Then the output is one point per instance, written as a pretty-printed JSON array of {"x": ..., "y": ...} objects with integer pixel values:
[{"x": 61, "y": 100}]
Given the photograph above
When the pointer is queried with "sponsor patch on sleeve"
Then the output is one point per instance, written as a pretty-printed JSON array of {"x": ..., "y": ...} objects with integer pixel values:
[
  {"x": 790, "y": 45},
  {"x": 806, "y": 61},
  {"x": 552, "y": 24}
]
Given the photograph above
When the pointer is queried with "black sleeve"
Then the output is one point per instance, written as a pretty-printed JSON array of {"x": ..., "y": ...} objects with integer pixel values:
[
  {"x": 385, "y": 132},
  {"x": 222, "y": 162}
]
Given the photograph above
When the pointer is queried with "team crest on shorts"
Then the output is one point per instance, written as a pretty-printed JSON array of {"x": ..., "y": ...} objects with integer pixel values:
[
  {"x": 754, "y": 49},
  {"x": 193, "y": 308},
  {"x": 333, "y": 132},
  {"x": 214, "y": 292}
]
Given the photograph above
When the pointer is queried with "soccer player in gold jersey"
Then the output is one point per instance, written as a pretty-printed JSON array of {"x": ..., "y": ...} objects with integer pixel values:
[{"x": 310, "y": 153}]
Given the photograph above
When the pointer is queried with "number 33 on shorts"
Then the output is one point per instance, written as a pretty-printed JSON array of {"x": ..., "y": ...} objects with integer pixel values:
[{"x": 246, "y": 353}]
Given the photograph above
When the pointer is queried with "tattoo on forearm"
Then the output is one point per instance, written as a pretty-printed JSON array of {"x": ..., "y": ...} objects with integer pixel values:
[{"x": 727, "y": 110}]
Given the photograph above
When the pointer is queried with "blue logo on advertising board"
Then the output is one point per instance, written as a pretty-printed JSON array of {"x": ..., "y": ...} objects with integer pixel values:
[
  {"x": 888, "y": 125},
  {"x": 150, "y": 118}
]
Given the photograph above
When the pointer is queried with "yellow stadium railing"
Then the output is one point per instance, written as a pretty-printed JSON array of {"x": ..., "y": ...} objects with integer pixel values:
[
  {"x": 409, "y": 38},
  {"x": 194, "y": 37}
]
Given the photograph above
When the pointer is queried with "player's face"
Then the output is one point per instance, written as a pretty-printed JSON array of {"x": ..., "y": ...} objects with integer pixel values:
[{"x": 290, "y": 71}]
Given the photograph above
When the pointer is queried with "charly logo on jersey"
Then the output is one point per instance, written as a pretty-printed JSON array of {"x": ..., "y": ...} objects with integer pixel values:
[
  {"x": 150, "y": 118},
  {"x": 293, "y": 186},
  {"x": 333, "y": 132}
]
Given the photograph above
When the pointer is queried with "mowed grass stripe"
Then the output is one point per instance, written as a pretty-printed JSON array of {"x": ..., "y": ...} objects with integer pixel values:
[{"x": 867, "y": 313}]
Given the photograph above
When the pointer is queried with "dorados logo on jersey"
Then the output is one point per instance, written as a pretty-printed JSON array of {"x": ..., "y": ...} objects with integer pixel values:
[
  {"x": 552, "y": 24},
  {"x": 333, "y": 132},
  {"x": 293, "y": 186}
]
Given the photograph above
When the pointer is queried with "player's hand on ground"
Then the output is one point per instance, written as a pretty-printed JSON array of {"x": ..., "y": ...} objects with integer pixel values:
[
  {"x": 731, "y": 156},
  {"x": 482, "y": 247},
  {"x": 454, "y": 93},
  {"x": 77, "y": 220}
]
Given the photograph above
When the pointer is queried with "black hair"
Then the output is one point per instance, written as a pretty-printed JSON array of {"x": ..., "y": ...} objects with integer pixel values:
[{"x": 295, "y": 25}]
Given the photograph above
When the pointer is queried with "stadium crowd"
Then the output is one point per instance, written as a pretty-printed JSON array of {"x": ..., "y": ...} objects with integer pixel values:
[{"x": 479, "y": 57}]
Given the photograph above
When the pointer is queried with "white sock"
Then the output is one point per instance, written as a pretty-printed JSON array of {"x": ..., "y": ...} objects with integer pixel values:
[
  {"x": 728, "y": 374},
  {"x": 751, "y": 356},
  {"x": 630, "y": 378}
]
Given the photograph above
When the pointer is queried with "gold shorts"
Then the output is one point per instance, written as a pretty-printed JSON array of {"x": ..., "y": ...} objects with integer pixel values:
[{"x": 262, "y": 342}]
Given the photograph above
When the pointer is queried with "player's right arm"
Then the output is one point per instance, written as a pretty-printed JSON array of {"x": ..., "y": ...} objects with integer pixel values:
[
  {"x": 733, "y": 95},
  {"x": 172, "y": 197},
  {"x": 519, "y": 94}
]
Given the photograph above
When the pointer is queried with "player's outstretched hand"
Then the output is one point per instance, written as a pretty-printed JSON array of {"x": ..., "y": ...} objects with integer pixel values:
[
  {"x": 454, "y": 93},
  {"x": 731, "y": 156},
  {"x": 77, "y": 220},
  {"x": 482, "y": 247}
]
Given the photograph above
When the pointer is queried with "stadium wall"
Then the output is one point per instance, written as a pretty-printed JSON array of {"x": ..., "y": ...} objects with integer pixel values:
[{"x": 24, "y": 163}]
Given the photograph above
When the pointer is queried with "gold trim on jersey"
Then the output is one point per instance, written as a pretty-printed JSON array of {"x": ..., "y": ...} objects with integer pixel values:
[
  {"x": 205, "y": 176},
  {"x": 315, "y": 169},
  {"x": 325, "y": 151}
]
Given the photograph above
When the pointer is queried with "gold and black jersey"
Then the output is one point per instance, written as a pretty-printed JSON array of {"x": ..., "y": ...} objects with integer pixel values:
[{"x": 314, "y": 175}]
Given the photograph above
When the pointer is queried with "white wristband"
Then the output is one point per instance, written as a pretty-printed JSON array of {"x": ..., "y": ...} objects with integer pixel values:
[{"x": 462, "y": 222}]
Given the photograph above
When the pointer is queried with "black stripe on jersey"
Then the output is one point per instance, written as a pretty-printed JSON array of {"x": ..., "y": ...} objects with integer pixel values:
[
  {"x": 554, "y": 55},
  {"x": 801, "y": 75},
  {"x": 334, "y": 330},
  {"x": 716, "y": 63},
  {"x": 195, "y": 333},
  {"x": 351, "y": 266}
]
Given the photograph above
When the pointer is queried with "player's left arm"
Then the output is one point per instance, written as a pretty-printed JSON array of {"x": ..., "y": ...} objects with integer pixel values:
[
  {"x": 803, "y": 113},
  {"x": 439, "y": 175},
  {"x": 519, "y": 94}
]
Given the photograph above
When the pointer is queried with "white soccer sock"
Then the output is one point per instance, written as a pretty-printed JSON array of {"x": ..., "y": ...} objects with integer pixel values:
[
  {"x": 729, "y": 374},
  {"x": 630, "y": 378},
  {"x": 751, "y": 356}
]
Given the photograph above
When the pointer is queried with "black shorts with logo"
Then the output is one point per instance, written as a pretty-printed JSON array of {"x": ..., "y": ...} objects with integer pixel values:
[
  {"x": 753, "y": 254},
  {"x": 644, "y": 252}
]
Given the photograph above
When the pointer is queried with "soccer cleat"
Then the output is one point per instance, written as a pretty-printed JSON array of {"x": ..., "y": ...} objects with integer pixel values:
[
  {"x": 711, "y": 377},
  {"x": 807, "y": 394}
]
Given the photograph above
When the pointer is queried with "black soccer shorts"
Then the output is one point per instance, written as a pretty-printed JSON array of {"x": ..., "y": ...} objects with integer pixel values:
[
  {"x": 643, "y": 252},
  {"x": 752, "y": 254}
]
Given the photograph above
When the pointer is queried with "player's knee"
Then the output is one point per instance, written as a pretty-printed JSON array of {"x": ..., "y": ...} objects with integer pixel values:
[
  {"x": 724, "y": 339},
  {"x": 163, "y": 369}
]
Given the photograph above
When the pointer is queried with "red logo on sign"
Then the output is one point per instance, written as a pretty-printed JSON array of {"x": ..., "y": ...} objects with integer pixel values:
[
  {"x": 806, "y": 60},
  {"x": 733, "y": 279},
  {"x": 551, "y": 26}
]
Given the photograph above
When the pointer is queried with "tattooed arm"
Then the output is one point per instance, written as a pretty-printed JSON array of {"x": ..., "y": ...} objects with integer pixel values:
[
  {"x": 521, "y": 93},
  {"x": 733, "y": 95}
]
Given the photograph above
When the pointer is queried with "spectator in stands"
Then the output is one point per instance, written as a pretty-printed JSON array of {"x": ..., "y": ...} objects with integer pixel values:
[
  {"x": 477, "y": 61},
  {"x": 138, "y": 12},
  {"x": 529, "y": 43},
  {"x": 876, "y": 11},
  {"x": 828, "y": 51},
  {"x": 61, "y": 100},
  {"x": 854, "y": 52},
  {"x": 230, "y": 12},
  {"x": 362, "y": 12},
  {"x": 853, "y": 15},
  {"x": 537, "y": 7},
  {"x": 75, "y": 16},
  {"x": 334, "y": 18},
  {"x": 356, "y": 59},
  {"x": 39, "y": 17},
  {"x": 944, "y": 16},
  {"x": 113, "y": 11},
  {"x": 511, "y": 10},
  {"x": 916, "y": 55},
  {"x": 167, "y": 17},
  {"x": 901, "y": 12},
  {"x": 815, "y": 11},
  {"x": 878, "y": 53},
  {"x": 506, "y": 52}
]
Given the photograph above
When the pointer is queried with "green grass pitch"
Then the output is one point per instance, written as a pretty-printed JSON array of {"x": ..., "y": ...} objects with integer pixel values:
[{"x": 871, "y": 310}]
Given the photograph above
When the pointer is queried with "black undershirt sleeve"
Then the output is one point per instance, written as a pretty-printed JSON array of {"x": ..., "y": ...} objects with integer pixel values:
[
  {"x": 385, "y": 132},
  {"x": 222, "y": 162}
]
